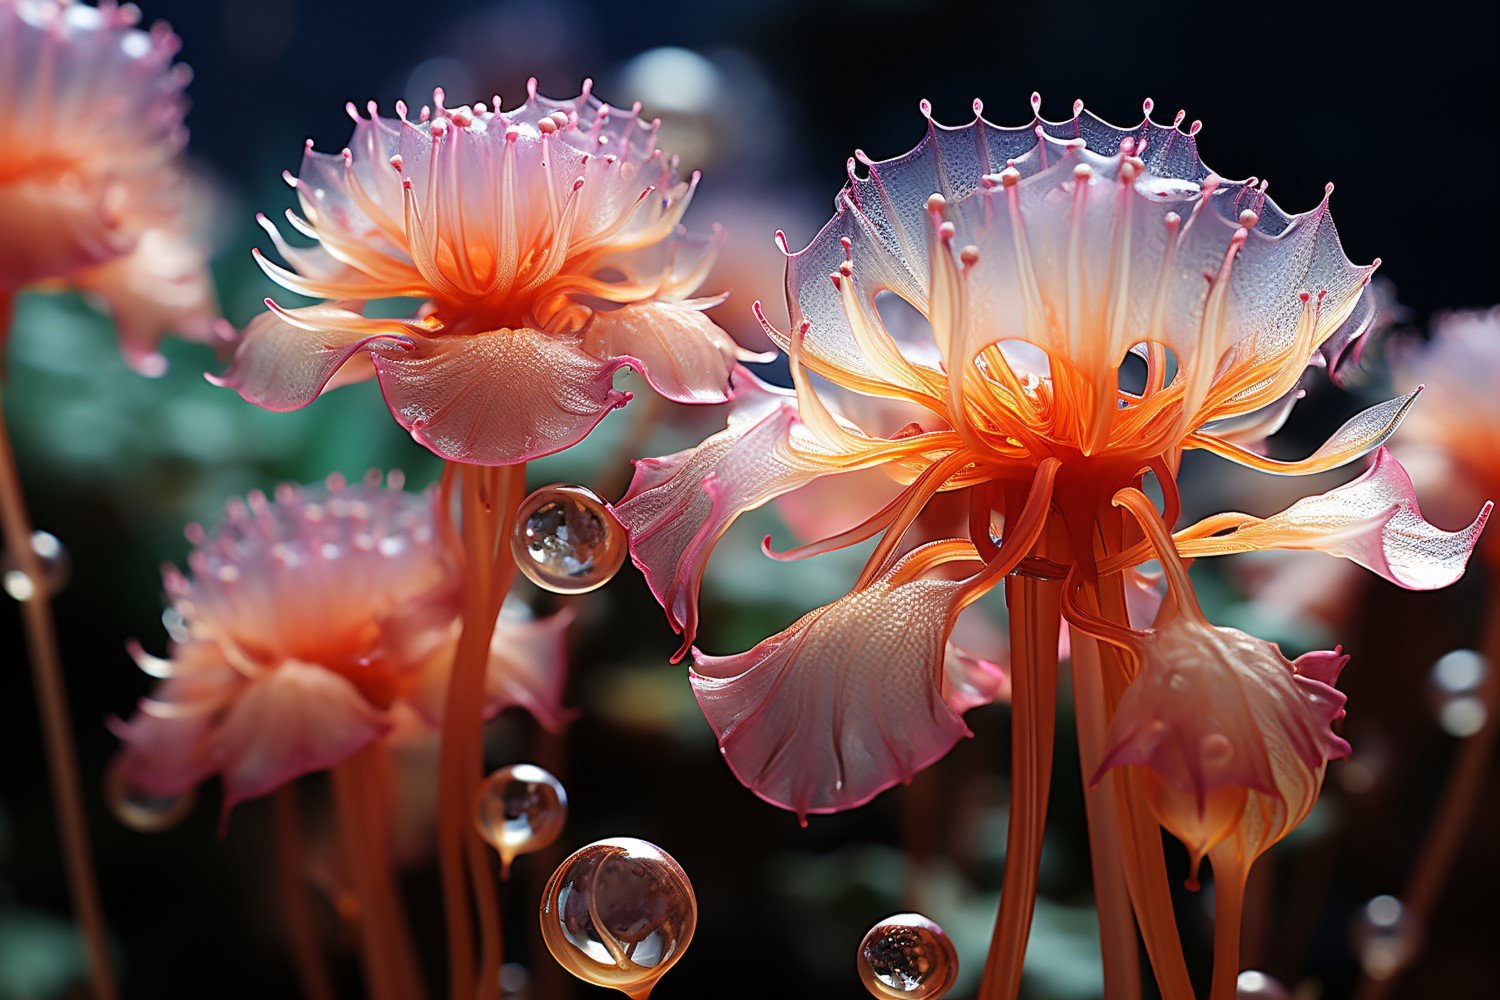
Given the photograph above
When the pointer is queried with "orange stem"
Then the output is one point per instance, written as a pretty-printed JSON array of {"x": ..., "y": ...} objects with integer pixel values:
[
  {"x": 1461, "y": 794},
  {"x": 1035, "y": 620},
  {"x": 1229, "y": 906},
  {"x": 313, "y": 977},
  {"x": 57, "y": 727},
  {"x": 385, "y": 949},
  {"x": 1117, "y": 937},
  {"x": 490, "y": 498}
]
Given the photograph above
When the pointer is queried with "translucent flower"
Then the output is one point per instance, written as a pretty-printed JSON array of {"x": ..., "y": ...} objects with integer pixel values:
[
  {"x": 1071, "y": 306},
  {"x": 308, "y": 627},
  {"x": 541, "y": 246},
  {"x": 91, "y": 193}
]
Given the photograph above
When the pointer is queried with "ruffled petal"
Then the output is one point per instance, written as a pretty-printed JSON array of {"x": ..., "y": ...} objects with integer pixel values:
[
  {"x": 161, "y": 285},
  {"x": 678, "y": 506},
  {"x": 1373, "y": 521},
  {"x": 49, "y": 231},
  {"x": 843, "y": 704},
  {"x": 295, "y": 720},
  {"x": 498, "y": 398},
  {"x": 678, "y": 349},
  {"x": 529, "y": 668},
  {"x": 286, "y": 357}
]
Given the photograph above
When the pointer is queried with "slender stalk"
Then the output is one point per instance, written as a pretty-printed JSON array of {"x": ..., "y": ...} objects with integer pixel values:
[
  {"x": 489, "y": 497},
  {"x": 384, "y": 952},
  {"x": 1229, "y": 907},
  {"x": 1461, "y": 792},
  {"x": 313, "y": 978},
  {"x": 1035, "y": 620},
  {"x": 57, "y": 727},
  {"x": 377, "y": 811},
  {"x": 1145, "y": 861},
  {"x": 1117, "y": 937}
]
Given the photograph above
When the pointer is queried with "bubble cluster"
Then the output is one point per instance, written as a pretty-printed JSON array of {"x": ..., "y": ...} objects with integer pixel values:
[
  {"x": 619, "y": 913},
  {"x": 520, "y": 809},
  {"x": 907, "y": 957},
  {"x": 1454, "y": 687},
  {"x": 55, "y": 566},
  {"x": 566, "y": 540},
  {"x": 1382, "y": 937}
]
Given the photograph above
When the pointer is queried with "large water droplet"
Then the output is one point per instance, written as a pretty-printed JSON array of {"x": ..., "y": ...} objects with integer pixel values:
[
  {"x": 142, "y": 810},
  {"x": 907, "y": 957},
  {"x": 1382, "y": 937},
  {"x": 566, "y": 540},
  {"x": 1454, "y": 689},
  {"x": 619, "y": 913},
  {"x": 55, "y": 567},
  {"x": 1255, "y": 985},
  {"x": 520, "y": 809}
]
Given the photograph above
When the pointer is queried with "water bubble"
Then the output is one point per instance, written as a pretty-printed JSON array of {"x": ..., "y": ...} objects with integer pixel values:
[
  {"x": 619, "y": 913},
  {"x": 907, "y": 957},
  {"x": 142, "y": 810},
  {"x": 55, "y": 567},
  {"x": 1254, "y": 985},
  {"x": 566, "y": 540},
  {"x": 520, "y": 809},
  {"x": 1454, "y": 689},
  {"x": 1382, "y": 937}
]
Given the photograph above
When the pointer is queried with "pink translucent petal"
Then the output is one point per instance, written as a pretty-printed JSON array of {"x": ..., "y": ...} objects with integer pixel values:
[
  {"x": 167, "y": 742},
  {"x": 284, "y": 359},
  {"x": 1374, "y": 521},
  {"x": 1317, "y": 673},
  {"x": 843, "y": 704},
  {"x": 678, "y": 506},
  {"x": 529, "y": 668},
  {"x": 679, "y": 350},
  {"x": 970, "y": 681},
  {"x": 498, "y": 398},
  {"x": 295, "y": 720}
]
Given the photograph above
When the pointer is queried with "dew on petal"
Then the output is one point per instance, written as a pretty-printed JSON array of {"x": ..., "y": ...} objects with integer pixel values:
[
  {"x": 520, "y": 809},
  {"x": 142, "y": 810},
  {"x": 1453, "y": 688},
  {"x": 1383, "y": 937},
  {"x": 907, "y": 957},
  {"x": 55, "y": 566},
  {"x": 1255, "y": 985},
  {"x": 565, "y": 540},
  {"x": 619, "y": 913}
]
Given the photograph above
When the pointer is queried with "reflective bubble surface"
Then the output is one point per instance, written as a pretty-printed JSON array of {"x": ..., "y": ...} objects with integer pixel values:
[
  {"x": 1382, "y": 937},
  {"x": 141, "y": 810},
  {"x": 565, "y": 540},
  {"x": 907, "y": 957},
  {"x": 1255, "y": 985},
  {"x": 1454, "y": 689},
  {"x": 520, "y": 809},
  {"x": 619, "y": 913},
  {"x": 55, "y": 569}
]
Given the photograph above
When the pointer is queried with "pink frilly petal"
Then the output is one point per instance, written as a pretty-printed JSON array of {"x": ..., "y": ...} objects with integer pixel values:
[
  {"x": 167, "y": 744},
  {"x": 1317, "y": 673},
  {"x": 498, "y": 398},
  {"x": 678, "y": 349},
  {"x": 296, "y": 719},
  {"x": 678, "y": 506},
  {"x": 1374, "y": 521},
  {"x": 286, "y": 357},
  {"x": 843, "y": 704},
  {"x": 529, "y": 668}
]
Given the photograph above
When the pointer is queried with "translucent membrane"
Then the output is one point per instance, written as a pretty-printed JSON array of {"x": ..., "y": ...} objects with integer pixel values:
[
  {"x": 619, "y": 913},
  {"x": 907, "y": 957},
  {"x": 519, "y": 809},
  {"x": 565, "y": 540}
]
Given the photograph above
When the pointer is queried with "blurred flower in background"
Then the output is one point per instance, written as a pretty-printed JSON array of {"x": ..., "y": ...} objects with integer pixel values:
[{"x": 92, "y": 195}]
